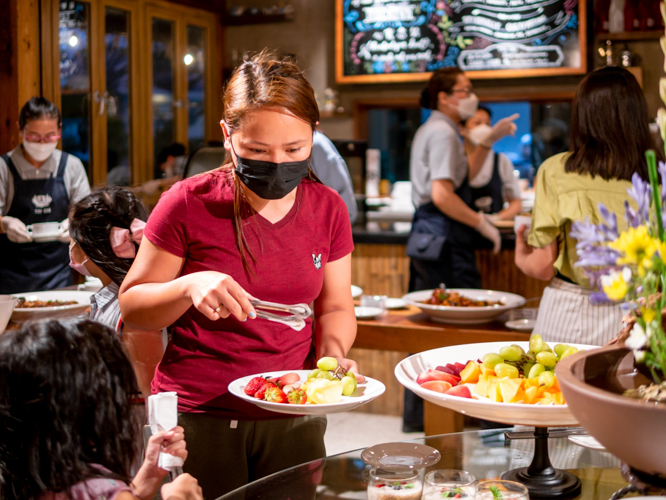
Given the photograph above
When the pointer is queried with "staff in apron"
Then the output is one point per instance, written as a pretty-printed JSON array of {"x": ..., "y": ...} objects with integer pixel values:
[
  {"x": 495, "y": 185},
  {"x": 37, "y": 183}
]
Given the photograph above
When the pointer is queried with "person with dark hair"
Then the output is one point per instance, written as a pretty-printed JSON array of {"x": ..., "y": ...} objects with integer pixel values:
[
  {"x": 264, "y": 226},
  {"x": 446, "y": 223},
  {"x": 37, "y": 184},
  {"x": 106, "y": 228},
  {"x": 609, "y": 136},
  {"x": 171, "y": 160},
  {"x": 495, "y": 185},
  {"x": 68, "y": 430}
]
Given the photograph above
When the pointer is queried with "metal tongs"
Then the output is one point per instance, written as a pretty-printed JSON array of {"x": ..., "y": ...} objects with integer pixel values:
[{"x": 296, "y": 313}]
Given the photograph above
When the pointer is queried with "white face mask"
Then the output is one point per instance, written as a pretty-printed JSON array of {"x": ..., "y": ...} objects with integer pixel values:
[
  {"x": 39, "y": 151},
  {"x": 468, "y": 106},
  {"x": 478, "y": 134}
]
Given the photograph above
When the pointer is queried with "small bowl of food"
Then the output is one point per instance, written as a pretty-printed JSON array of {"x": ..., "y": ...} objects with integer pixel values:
[
  {"x": 7, "y": 304},
  {"x": 464, "y": 306}
]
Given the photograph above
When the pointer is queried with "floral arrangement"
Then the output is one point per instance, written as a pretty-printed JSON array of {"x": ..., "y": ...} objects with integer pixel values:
[{"x": 630, "y": 266}]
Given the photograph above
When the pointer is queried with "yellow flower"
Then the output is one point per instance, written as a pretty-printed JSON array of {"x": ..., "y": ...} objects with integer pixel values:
[
  {"x": 637, "y": 248},
  {"x": 614, "y": 285},
  {"x": 648, "y": 315}
]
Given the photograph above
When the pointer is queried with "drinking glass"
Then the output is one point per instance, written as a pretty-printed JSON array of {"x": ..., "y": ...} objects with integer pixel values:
[
  {"x": 394, "y": 485},
  {"x": 501, "y": 490},
  {"x": 448, "y": 483},
  {"x": 374, "y": 301}
]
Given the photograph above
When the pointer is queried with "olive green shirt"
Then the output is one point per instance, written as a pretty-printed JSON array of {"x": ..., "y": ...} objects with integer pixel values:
[{"x": 562, "y": 198}]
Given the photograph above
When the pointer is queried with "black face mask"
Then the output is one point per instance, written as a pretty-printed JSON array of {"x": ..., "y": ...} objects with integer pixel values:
[{"x": 268, "y": 180}]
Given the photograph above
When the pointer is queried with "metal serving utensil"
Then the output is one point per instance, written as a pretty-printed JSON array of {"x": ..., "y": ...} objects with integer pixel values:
[{"x": 296, "y": 313}]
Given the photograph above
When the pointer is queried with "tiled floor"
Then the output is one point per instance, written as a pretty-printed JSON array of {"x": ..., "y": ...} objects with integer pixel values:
[{"x": 354, "y": 430}]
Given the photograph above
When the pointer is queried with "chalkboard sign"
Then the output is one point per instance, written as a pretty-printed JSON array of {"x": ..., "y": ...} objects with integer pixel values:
[{"x": 405, "y": 40}]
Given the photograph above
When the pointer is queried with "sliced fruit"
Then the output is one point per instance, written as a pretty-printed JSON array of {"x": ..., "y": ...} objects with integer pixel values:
[
  {"x": 481, "y": 387},
  {"x": 509, "y": 387},
  {"x": 531, "y": 394},
  {"x": 297, "y": 397},
  {"x": 470, "y": 374},
  {"x": 254, "y": 385},
  {"x": 494, "y": 391},
  {"x": 459, "y": 367},
  {"x": 436, "y": 375},
  {"x": 275, "y": 395},
  {"x": 288, "y": 379},
  {"x": 462, "y": 391},
  {"x": 261, "y": 392},
  {"x": 487, "y": 371},
  {"x": 437, "y": 386}
]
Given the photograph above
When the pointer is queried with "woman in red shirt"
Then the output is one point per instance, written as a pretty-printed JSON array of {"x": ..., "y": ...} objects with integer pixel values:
[{"x": 260, "y": 226}]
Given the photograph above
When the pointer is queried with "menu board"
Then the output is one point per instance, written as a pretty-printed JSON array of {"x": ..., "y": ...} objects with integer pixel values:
[{"x": 405, "y": 40}]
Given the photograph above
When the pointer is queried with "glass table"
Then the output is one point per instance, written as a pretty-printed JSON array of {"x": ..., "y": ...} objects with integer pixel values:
[{"x": 485, "y": 454}]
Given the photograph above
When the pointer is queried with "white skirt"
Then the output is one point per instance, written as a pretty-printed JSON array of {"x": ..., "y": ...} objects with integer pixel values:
[{"x": 566, "y": 316}]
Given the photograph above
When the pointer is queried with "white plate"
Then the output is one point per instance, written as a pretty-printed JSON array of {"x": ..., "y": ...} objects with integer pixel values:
[
  {"x": 521, "y": 325},
  {"x": 43, "y": 238},
  {"x": 395, "y": 303},
  {"x": 365, "y": 392},
  {"x": 356, "y": 291},
  {"x": 400, "y": 456},
  {"x": 508, "y": 413},
  {"x": 367, "y": 312},
  {"x": 23, "y": 314},
  {"x": 91, "y": 285},
  {"x": 588, "y": 442},
  {"x": 466, "y": 315}
]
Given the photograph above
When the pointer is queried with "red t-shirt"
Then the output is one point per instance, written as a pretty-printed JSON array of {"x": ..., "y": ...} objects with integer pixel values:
[{"x": 194, "y": 220}]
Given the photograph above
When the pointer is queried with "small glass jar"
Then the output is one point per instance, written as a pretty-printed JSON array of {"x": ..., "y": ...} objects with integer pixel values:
[
  {"x": 393, "y": 485},
  {"x": 504, "y": 490},
  {"x": 449, "y": 483}
]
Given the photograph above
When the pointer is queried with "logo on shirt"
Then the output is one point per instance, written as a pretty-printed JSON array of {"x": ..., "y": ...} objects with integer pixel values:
[
  {"x": 42, "y": 203},
  {"x": 317, "y": 261}
]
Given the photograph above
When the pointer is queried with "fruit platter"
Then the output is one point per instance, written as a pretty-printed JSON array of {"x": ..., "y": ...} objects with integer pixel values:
[
  {"x": 498, "y": 381},
  {"x": 457, "y": 315},
  {"x": 326, "y": 389}
]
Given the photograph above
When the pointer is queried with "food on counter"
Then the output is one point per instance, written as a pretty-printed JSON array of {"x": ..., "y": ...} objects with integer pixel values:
[
  {"x": 443, "y": 298},
  {"x": 510, "y": 376},
  {"x": 22, "y": 303},
  {"x": 402, "y": 490}
]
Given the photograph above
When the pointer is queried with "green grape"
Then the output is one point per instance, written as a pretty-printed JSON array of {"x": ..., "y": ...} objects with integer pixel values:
[
  {"x": 546, "y": 348},
  {"x": 527, "y": 367},
  {"x": 491, "y": 359},
  {"x": 547, "y": 379},
  {"x": 547, "y": 359},
  {"x": 314, "y": 373},
  {"x": 522, "y": 351},
  {"x": 560, "y": 348},
  {"x": 536, "y": 370},
  {"x": 510, "y": 353},
  {"x": 503, "y": 370},
  {"x": 325, "y": 374},
  {"x": 569, "y": 352},
  {"x": 348, "y": 385},
  {"x": 536, "y": 344},
  {"x": 327, "y": 363}
]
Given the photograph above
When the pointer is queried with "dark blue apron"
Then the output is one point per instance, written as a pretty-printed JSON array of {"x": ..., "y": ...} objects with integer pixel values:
[
  {"x": 493, "y": 189},
  {"x": 29, "y": 267}
]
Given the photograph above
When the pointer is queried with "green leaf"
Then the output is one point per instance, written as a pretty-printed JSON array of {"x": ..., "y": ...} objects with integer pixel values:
[{"x": 496, "y": 492}]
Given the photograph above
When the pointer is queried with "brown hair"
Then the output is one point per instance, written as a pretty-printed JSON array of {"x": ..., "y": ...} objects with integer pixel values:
[
  {"x": 442, "y": 80},
  {"x": 609, "y": 126},
  {"x": 264, "y": 81}
]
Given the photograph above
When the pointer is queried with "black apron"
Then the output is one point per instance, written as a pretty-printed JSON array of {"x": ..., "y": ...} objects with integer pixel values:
[
  {"x": 29, "y": 267},
  {"x": 442, "y": 249},
  {"x": 491, "y": 190}
]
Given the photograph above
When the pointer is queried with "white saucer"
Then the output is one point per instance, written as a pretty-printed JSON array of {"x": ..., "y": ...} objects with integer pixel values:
[
  {"x": 368, "y": 312},
  {"x": 401, "y": 456},
  {"x": 395, "y": 303},
  {"x": 43, "y": 238},
  {"x": 521, "y": 325},
  {"x": 588, "y": 442}
]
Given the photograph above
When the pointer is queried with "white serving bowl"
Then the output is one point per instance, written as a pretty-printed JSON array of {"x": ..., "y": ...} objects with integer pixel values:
[
  {"x": 7, "y": 303},
  {"x": 466, "y": 315}
]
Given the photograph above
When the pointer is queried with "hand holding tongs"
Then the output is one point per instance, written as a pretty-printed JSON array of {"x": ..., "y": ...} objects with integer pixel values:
[{"x": 296, "y": 313}]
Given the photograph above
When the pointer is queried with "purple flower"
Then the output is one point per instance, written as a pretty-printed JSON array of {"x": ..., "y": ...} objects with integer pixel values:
[
  {"x": 590, "y": 255},
  {"x": 599, "y": 298},
  {"x": 640, "y": 192},
  {"x": 609, "y": 230},
  {"x": 586, "y": 233},
  {"x": 662, "y": 173},
  {"x": 630, "y": 215}
]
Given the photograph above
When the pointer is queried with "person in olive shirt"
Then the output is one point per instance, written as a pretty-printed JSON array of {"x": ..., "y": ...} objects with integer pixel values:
[{"x": 609, "y": 135}]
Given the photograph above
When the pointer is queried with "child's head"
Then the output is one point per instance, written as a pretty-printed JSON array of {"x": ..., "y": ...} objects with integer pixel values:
[
  {"x": 91, "y": 223},
  {"x": 65, "y": 391}
]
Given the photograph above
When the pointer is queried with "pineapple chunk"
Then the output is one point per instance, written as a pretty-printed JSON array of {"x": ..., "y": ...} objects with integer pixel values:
[
  {"x": 531, "y": 394},
  {"x": 481, "y": 387},
  {"x": 487, "y": 371},
  {"x": 509, "y": 387},
  {"x": 470, "y": 374},
  {"x": 495, "y": 391}
]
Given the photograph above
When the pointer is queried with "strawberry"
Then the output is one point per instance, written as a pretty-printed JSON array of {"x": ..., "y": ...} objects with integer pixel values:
[
  {"x": 275, "y": 395},
  {"x": 260, "y": 394},
  {"x": 297, "y": 397},
  {"x": 254, "y": 385}
]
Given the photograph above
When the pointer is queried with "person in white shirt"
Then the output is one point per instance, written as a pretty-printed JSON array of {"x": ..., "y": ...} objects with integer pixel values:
[
  {"x": 495, "y": 189},
  {"x": 37, "y": 184}
]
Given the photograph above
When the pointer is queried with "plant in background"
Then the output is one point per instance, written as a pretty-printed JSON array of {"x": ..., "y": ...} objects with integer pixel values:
[{"x": 630, "y": 266}]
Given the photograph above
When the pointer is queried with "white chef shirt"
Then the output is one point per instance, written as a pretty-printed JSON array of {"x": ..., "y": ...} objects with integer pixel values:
[
  {"x": 510, "y": 186},
  {"x": 75, "y": 178}
]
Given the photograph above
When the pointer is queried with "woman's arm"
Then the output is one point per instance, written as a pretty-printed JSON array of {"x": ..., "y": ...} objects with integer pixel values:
[
  {"x": 154, "y": 295},
  {"x": 445, "y": 198},
  {"x": 511, "y": 211},
  {"x": 145, "y": 349},
  {"x": 535, "y": 262},
  {"x": 335, "y": 325}
]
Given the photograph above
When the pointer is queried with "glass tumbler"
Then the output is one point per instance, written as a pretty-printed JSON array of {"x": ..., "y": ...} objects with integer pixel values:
[
  {"x": 449, "y": 483},
  {"x": 501, "y": 490},
  {"x": 394, "y": 485}
]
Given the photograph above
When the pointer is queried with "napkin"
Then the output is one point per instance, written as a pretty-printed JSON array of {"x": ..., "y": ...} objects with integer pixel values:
[{"x": 163, "y": 416}]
